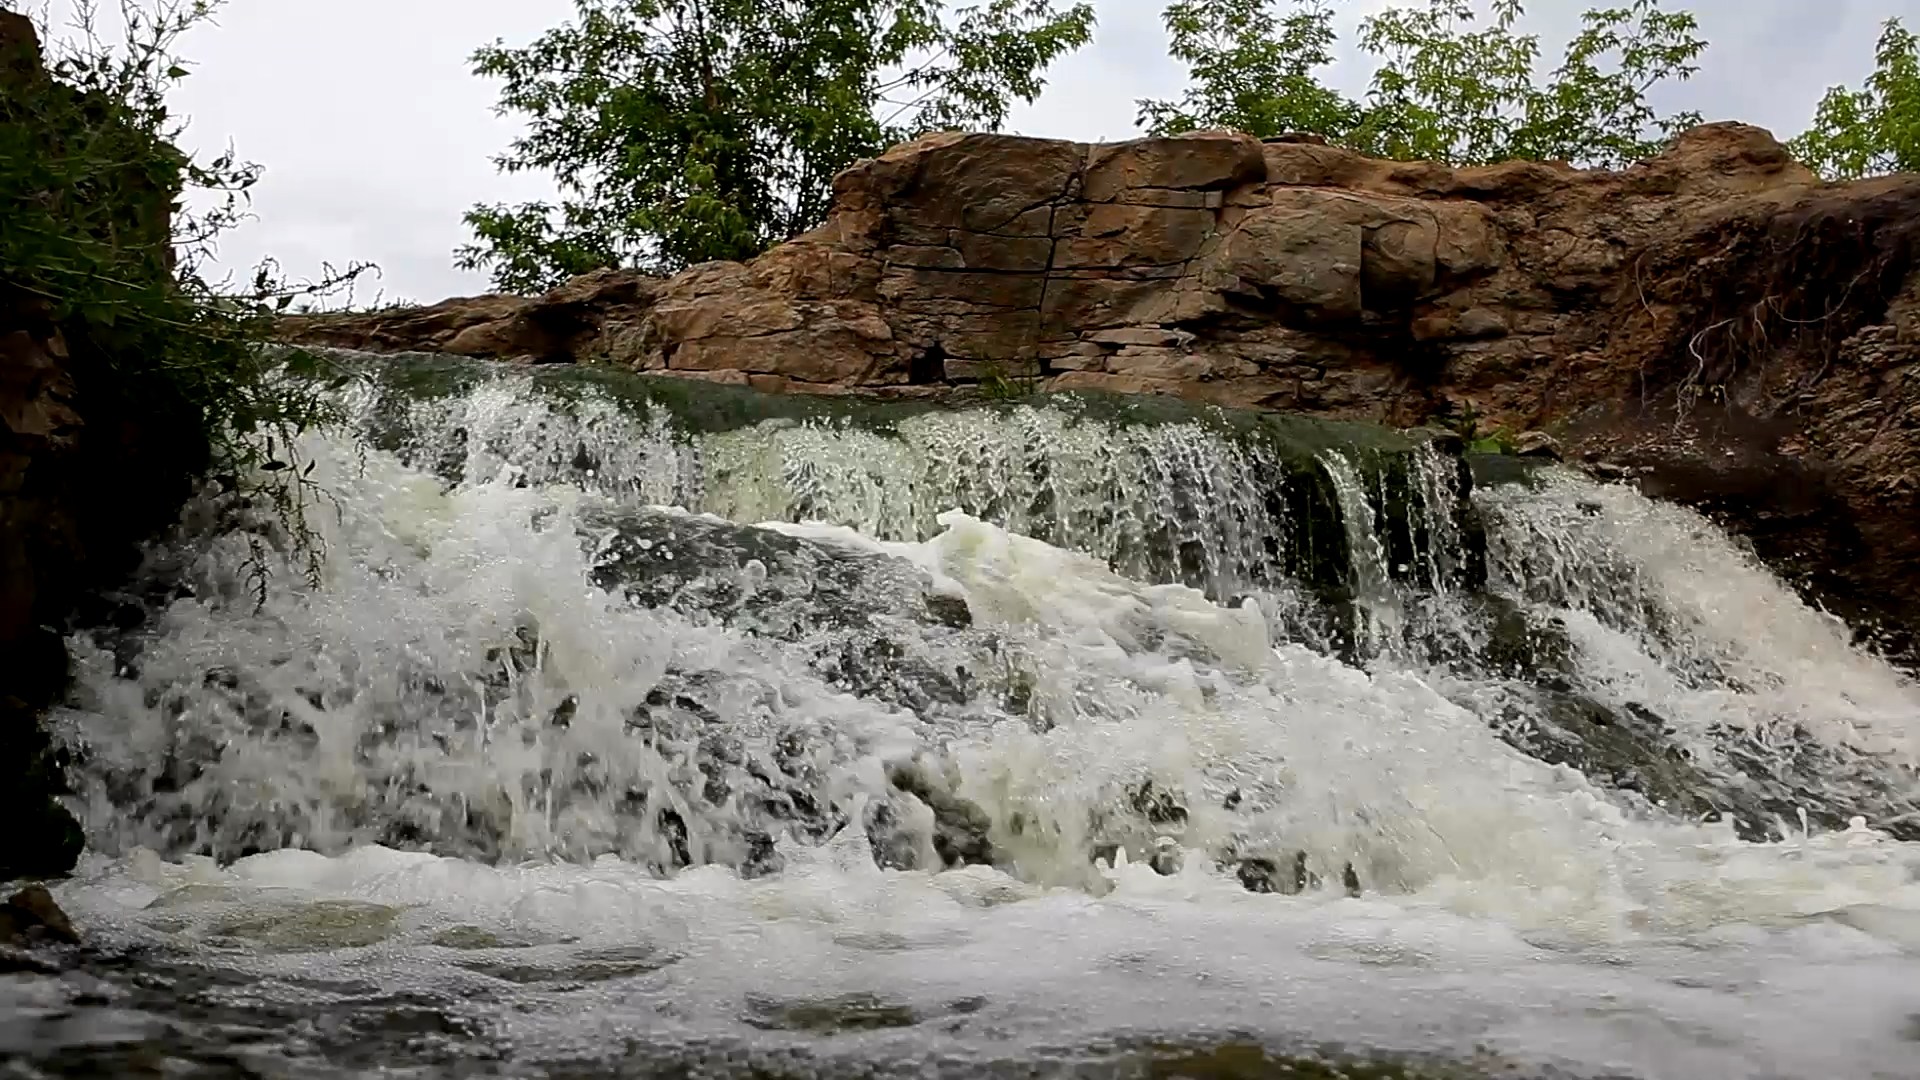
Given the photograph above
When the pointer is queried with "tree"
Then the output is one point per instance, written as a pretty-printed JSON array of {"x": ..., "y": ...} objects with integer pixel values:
[
  {"x": 1253, "y": 71},
  {"x": 681, "y": 131},
  {"x": 1873, "y": 130},
  {"x": 1442, "y": 90}
]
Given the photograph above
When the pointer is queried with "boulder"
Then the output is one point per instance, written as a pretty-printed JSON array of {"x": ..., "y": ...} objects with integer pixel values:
[{"x": 30, "y": 916}]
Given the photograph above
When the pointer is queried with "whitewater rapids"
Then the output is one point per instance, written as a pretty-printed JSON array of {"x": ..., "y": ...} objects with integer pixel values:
[{"x": 1512, "y": 914}]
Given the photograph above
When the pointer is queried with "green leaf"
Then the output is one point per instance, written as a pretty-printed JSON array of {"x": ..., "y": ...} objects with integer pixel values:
[{"x": 1873, "y": 130}]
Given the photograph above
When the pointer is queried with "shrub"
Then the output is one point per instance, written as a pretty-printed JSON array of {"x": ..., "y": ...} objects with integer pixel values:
[{"x": 97, "y": 240}]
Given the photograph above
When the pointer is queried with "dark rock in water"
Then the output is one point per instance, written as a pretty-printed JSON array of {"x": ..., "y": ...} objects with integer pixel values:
[
  {"x": 1258, "y": 874},
  {"x": 852, "y": 1012},
  {"x": 960, "y": 827},
  {"x": 17, "y": 961},
  {"x": 40, "y": 837},
  {"x": 30, "y": 916},
  {"x": 866, "y": 617},
  {"x": 1765, "y": 792},
  {"x": 1780, "y": 777},
  {"x": 1165, "y": 859},
  {"x": 1627, "y": 750},
  {"x": 1247, "y": 1060},
  {"x": 1158, "y": 807}
]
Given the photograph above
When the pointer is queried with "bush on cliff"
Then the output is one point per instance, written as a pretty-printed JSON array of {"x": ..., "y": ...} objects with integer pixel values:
[
  {"x": 1875, "y": 129},
  {"x": 1443, "y": 89},
  {"x": 124, "y": 371},
  {"x": 96, "y": 242},
  {"x": 681, "y": 131}
]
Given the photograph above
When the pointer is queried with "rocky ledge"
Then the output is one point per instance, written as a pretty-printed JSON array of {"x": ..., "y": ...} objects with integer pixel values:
[{"x": 1715, "y": 322}]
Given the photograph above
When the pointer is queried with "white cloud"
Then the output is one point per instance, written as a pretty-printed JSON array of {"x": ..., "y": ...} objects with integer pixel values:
[{"x": 376, "y": 138}]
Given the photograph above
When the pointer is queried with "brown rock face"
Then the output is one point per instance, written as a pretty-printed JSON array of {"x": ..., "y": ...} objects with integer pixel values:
[
  {"x": 86, "y": 473},
  {"x": 1717, "y": 298}
]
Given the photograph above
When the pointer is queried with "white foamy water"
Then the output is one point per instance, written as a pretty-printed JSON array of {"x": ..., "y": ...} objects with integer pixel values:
[
  {"x": 650, "y": 829},
  {"x": 991, "y": 968},
  {"x": 1670, "y": 610}
]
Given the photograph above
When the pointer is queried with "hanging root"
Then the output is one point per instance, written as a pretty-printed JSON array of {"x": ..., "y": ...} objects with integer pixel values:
[{"x": 1767, "y": 297}]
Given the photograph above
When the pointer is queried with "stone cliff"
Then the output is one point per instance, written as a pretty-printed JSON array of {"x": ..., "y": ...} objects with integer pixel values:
[
  {"x": 1715, "y": 321},
  {"x": 87, "y": 471}
]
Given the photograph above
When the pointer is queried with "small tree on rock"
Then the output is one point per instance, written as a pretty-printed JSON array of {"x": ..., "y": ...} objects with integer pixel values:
[
  {"x": 1443, "y": 89},
  {"x": 681, "y": 131},
  {"x": 1873, "y": 130}
]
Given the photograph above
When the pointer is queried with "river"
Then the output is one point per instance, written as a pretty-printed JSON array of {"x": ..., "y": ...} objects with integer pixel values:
[{"x": 628, "y": 727}]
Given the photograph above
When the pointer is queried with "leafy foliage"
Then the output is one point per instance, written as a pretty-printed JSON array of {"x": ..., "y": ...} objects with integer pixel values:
[
  {"x": 95, "y": 240},
  {"x": 1442, "y": 89},
  {"x": 1875, "y": 129},
  {"x": 681, "y": 131},
  {"x": 1253, "y": 70}
]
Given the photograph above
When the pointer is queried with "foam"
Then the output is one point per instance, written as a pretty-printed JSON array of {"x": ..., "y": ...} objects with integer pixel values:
[
  {"x": 1040, "y": 968},
  {"x": 1509, "y": 906}
]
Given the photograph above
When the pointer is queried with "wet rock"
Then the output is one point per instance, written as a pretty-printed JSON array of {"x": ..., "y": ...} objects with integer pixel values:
[
  {"x": 1762, "y": 784},
  {"x": 1236, "y": 1060},
  {"x": 960, "y": 835},
  {"x": 1166, "y": 858},
  {"x": 585, "y": 966},
  {"x": 851, "y": 1012},
  {"x": 1537, "y": 444},
  {"x": 30, "y": 916},
  {"x": 38, "y": 836},
  {"x": 1263, "y": 875},
  {"x": 867, "y": 617},
  {"x": 311, "y": 927}
]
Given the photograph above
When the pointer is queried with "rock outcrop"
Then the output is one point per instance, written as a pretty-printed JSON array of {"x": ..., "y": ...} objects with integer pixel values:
[
  {"x": 1714, "y": 320},
  {"x": 86, "y": 472}
]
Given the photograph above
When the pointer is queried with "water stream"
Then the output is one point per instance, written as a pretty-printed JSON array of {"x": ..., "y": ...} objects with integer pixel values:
[{"x": 637, "y": 728}]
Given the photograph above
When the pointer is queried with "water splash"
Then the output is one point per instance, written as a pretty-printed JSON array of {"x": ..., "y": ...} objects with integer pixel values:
[
  {"x": 1007, "y": 708},
  {"x": 1653, "y": 611}
]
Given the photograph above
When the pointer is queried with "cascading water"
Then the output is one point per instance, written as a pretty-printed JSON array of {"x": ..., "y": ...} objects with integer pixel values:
[{"x": 641, "y": 728}]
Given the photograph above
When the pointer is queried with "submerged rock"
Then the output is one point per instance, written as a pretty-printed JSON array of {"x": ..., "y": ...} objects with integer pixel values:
[{"x": 960, "y": 828}]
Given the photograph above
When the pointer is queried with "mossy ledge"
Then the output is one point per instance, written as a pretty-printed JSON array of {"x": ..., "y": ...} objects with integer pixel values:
[{"x": 1294, "y": 483}]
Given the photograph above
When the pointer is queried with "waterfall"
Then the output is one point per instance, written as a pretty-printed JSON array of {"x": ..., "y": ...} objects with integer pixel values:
[{"x": 767, "y": 708}]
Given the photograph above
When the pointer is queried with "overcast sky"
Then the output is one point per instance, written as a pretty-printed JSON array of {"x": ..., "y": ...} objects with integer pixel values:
[{"x": 375, "y": 136}]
